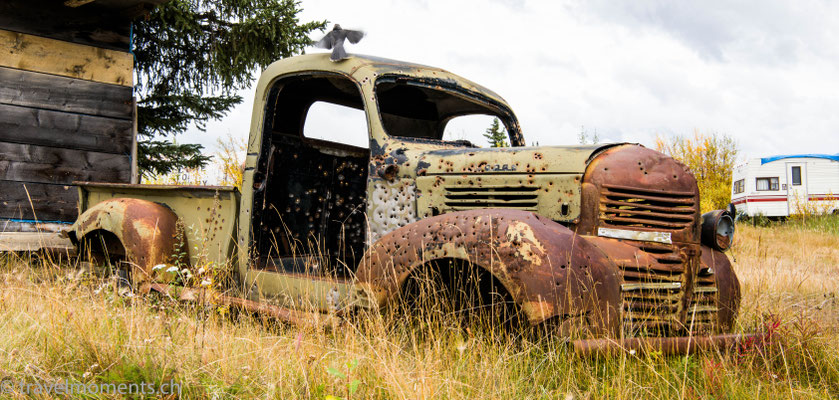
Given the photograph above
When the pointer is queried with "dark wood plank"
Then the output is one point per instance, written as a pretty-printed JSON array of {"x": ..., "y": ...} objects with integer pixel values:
[
  {"x": 51, "y": 92},
  {"x": 28, "y": 125},
  {"x": 24, "y": 162},
  {"x": 49, "y": 202},
  {"x": 89, "y": 24}
]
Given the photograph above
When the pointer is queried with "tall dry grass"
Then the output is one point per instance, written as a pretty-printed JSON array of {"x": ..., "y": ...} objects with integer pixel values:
[{"x": 58, "y": 322}]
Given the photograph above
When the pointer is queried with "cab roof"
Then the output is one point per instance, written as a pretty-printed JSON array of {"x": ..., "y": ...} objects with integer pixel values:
[{"x": 361, "y": 66}]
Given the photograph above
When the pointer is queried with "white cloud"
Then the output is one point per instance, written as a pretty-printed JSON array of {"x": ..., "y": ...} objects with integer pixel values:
[{"x": 766, "y": 73}]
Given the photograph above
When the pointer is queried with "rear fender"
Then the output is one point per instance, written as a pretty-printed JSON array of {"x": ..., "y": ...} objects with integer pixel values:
[
  {"x": 150, "y": 233},
  {"x": 549, "y": 271}
]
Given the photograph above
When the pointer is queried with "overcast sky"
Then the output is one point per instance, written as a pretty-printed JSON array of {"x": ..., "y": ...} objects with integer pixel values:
[{"x": 764, "y": 72}]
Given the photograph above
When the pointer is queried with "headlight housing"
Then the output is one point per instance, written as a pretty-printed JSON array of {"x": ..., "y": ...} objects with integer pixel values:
[{"x": 718, "y": 229}]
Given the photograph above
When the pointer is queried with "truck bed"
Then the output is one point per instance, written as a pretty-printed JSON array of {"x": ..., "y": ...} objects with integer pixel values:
[{"x": 210, "y": 213}]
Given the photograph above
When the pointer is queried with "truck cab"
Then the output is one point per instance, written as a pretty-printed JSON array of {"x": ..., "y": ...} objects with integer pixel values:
[{"x": 605, "y": 237}]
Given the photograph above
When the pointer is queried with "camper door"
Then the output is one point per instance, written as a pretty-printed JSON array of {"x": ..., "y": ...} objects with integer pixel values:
[{"x": 796, "y": 186}]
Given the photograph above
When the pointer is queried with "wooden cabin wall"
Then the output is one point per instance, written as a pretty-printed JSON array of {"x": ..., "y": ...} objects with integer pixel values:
[
  {"x": 90, "y": 24},
  {"x": 66, "y": 114}
]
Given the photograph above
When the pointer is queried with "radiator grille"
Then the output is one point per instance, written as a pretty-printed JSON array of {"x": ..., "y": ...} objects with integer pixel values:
[
  {"x": 653, "y": 295},
  {"x": 702, "y": 313},
  {"x": 646, "y": 208},
  {"x": 468, "y": 198}
]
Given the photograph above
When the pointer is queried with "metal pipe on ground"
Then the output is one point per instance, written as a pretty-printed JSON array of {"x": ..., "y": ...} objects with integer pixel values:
[
  {"x": 299, "y": 318},
  {"x": 665, "y": 345}
]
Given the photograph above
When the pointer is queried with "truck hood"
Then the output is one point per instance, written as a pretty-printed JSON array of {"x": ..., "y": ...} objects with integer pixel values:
[{"x": 508, "y": 160}]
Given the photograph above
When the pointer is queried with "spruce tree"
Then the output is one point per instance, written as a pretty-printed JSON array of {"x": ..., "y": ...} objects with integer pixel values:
[
  {"x": 192, "y": 56},
  {"x": 495, "y": 135}
]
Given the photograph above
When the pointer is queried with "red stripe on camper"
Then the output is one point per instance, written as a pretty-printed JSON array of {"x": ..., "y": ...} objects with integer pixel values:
[
  {"x": 812, "y": 197},
  {"x": 759, "y": 199}
]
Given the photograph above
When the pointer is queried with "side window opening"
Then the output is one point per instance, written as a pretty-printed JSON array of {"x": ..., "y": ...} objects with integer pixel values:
[
  {"x": 473, "y": 129},
  {"x": 767, "y": 184},
  {"x": 739, "y": 186},
  {"x": 337, "y": 124},
  {"x": 310, "y": 184}
]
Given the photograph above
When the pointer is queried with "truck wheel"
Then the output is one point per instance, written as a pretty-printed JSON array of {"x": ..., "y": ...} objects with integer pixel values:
[{"x": 447, "y": 293}]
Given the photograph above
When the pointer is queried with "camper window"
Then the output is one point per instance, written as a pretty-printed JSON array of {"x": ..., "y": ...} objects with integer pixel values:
[
  {"x": 739, "y": 186},
  {"x": 767, "y": 183},
  {"x": 796, "y": 176}
]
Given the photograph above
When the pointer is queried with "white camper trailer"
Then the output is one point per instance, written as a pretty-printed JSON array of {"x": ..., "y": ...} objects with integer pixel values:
[{"x": 782, "y": 185}]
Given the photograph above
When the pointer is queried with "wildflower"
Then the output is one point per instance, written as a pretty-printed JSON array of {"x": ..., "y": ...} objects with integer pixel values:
[
  {"x": 158, "y": 266},
  {"x": 172, "y": 269},
  {"x": 206, "y": 282}
]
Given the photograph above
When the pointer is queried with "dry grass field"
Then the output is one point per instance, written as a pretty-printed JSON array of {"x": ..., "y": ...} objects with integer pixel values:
[{"x": 57, "y": 323}]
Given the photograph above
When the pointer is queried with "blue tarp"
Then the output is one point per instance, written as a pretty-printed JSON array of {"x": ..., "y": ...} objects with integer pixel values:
[
  {"x": 33, "y": 221},
  {"x": 834, "y": 157}
]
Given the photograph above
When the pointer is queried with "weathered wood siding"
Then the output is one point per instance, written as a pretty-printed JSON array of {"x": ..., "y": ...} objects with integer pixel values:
[
  {"x": 34, "y": 53},
  {"x": 91, "y": 24},
  {"x": 66, "y": 115}
]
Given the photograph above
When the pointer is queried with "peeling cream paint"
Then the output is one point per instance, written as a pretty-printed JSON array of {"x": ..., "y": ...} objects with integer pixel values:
[{"x": 521, "y": 235}]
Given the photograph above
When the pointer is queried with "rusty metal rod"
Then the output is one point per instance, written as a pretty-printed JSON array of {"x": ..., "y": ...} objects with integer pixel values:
[
  {"x": 681, "y": 345},
  {"x": 295, "y": 317}
]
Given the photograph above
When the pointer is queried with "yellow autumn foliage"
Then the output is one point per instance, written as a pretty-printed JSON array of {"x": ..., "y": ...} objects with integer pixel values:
[
  {"x": 230, "y": 162},
  {"x": 711, "y": 158}
]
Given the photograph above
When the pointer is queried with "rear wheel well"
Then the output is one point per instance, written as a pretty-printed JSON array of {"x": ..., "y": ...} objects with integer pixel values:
[{"x": 102, "y": 246}]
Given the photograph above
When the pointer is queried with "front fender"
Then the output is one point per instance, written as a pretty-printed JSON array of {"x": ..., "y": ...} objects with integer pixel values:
[
  {"x": 548, "y": 269},
  {"x": 728, "y": 287},
  {"x": 149, "y": 232}
]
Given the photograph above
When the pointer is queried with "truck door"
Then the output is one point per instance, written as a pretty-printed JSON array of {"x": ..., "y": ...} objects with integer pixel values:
[
  {"x": 796, "y": 184},
  {"x": 309, "y": 198}
]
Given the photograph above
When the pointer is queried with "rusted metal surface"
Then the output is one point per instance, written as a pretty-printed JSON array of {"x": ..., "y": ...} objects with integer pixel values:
[
  {"x": 632, "y": 187},
  {"x": 663, "y": 345},
  {"x": 643, "y": 206},
  {"x": 549, "y": 271},
  {"x": 148, "y": 232},
  {"x": 716, "y": 270}
]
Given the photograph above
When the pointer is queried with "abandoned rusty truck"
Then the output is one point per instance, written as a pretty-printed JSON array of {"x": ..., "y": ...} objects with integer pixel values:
[{"x": 607, "y": 239}]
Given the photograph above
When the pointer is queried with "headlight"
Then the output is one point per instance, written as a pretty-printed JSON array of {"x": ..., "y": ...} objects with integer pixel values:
[{"x": 718, "y": 229}]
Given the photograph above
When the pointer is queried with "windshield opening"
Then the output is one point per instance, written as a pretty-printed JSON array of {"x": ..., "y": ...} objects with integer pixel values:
[{"x": 415, "y": 109}]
